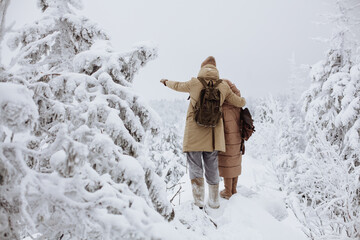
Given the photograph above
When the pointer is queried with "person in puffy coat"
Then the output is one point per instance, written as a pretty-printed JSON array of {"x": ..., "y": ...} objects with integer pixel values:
[
  {"x": 230, "y": 160},
  {"x": 202, "y": 144}
]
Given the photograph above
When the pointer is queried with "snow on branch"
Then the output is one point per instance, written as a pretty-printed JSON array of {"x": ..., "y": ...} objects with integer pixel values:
[{"x": 82, "y": 155}]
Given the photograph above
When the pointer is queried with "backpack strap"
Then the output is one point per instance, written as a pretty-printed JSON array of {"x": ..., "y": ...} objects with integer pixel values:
[
  {"x": 203, "y": 82},
  {"x": 214, "y": 85},
  {"x": 217, "y": 83}
]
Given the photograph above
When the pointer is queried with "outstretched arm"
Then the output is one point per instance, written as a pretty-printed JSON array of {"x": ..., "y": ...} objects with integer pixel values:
[{"x": 177, "y": 86}]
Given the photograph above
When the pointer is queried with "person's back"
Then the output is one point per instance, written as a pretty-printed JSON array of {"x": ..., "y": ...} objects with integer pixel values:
[
  {"x": 204, "y": 142},
  {"x": 198, "y": 138},
  {"x": 230, "y": 160}
]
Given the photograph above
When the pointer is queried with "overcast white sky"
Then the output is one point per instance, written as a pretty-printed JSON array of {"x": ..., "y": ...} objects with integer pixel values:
[{"x": 252, "y": 41}]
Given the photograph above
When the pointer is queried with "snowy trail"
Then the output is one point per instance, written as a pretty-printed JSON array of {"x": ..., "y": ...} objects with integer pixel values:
[{"x": 256, "y": 212}]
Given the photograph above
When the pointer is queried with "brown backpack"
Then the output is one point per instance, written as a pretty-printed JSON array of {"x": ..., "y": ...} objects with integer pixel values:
[
  {"x": 207, "y": 110},
  {"x": 247, "y": 126}
]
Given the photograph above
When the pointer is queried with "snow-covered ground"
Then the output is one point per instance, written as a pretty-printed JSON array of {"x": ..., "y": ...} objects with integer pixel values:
[{"x": 256, "y": 212}]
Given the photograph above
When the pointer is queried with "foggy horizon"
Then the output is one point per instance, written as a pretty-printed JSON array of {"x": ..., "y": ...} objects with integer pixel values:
[{"x": 252, "y": 42}]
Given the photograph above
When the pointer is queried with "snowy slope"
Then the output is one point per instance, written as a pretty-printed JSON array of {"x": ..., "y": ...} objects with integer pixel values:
[{"x": 256, "y": 212}]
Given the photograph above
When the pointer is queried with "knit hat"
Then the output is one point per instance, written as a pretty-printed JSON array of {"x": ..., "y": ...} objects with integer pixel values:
[{"x": 209, "y": 60}]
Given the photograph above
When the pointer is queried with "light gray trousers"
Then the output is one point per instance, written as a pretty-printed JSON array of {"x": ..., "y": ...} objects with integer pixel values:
[{"x": 195, "y": 160}]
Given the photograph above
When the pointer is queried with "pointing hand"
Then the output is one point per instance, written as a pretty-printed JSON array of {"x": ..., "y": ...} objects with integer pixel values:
[{"x": 163, "y": 81}]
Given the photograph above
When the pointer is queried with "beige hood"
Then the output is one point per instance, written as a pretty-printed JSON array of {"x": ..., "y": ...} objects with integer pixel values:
[{"x": 209, "y": 72}]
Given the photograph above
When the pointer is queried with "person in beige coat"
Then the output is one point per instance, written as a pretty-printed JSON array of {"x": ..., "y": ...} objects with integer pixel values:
[
  {"x": 202, "y": 143},
  {"x": 230, "y": 160}
]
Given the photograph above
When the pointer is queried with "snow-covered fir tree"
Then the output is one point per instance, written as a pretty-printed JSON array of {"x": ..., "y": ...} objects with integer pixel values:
[
  {"x": 80, "y": 157},
  {"x": 4, "y": 4},
  {"x": 51, "y": 42},
  {"x": 330, "y": 184},
  {"x": 319, "y": 174}
]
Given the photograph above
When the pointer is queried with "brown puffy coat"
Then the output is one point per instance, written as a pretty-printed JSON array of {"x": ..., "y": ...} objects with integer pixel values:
[
  {"x": 198, "y": 138},
  {"x": 230, "y": 161}
]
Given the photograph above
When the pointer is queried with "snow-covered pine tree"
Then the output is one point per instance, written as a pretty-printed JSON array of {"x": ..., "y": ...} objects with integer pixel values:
[
  {"x": 51, "y": 42},
  {"x": 84, "y": 160},
  {"x": 4, "y": 4},
  {"x": 330, "y": 186}
]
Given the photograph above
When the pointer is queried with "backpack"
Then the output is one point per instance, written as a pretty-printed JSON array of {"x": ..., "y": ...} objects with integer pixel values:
[
  {"x": 247, "y": 127},
  {"x": 207, "y": 110},
  {"x": 246, "y": 124}
]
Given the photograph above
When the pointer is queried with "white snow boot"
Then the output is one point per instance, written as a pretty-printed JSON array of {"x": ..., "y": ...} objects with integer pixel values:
[
  {"x": 197, "y": 185},
  {"x": 213, "y": 200}
]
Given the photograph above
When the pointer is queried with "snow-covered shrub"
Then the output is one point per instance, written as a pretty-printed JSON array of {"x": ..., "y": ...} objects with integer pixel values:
[
  {"x": 18, "y": 111},
  {"x": 279, "y": 137},
  {"x": 266, "y": 120},
  {"x": 166, "y": 148},
  {"x": 326, "y": 197},
  {"x": 166, "y": 152}
]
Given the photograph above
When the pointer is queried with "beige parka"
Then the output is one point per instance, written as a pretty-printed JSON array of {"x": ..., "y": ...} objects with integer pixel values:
[{"x": 198, "y": 138}]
